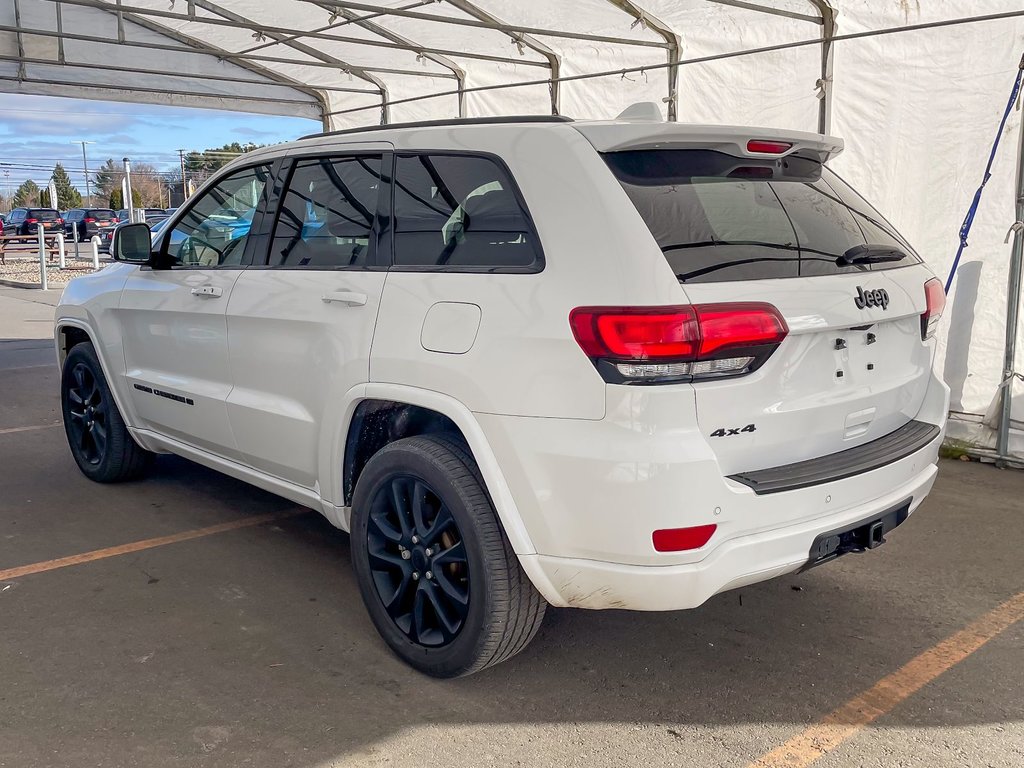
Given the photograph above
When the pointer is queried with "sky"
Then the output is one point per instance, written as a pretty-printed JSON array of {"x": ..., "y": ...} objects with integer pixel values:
[{"x": 37, "y": 131}]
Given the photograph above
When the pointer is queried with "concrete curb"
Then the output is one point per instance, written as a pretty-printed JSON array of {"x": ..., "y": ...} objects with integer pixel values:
[{"x": 20, "y": 284}]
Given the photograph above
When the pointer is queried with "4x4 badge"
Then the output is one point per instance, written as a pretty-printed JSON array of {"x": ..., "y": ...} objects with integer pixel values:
[{"x": 876, "y": 298}]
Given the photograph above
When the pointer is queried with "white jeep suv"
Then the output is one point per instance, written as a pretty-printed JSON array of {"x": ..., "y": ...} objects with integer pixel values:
[{"x": 526, "y": 361}]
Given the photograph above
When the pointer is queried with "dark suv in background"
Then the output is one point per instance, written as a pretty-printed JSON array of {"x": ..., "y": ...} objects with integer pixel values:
[
  {"x": 25, "y": 221},
  {"x": 88, "y": 222}
]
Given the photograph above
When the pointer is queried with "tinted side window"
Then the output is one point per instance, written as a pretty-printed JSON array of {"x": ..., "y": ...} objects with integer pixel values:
[
  {"x": 215, "y": 228},
  {"x": 457, "y": 211},
  {"x": 327, "y": 213}
]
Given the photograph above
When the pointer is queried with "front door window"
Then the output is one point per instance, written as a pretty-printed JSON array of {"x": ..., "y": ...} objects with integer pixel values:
[{"x": 214, "y": 230}]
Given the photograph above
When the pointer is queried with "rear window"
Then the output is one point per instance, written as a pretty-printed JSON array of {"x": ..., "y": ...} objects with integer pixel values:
[
  {"x": 460, "y": 212},
  {"x": 722, "y": 218},
  {"x": 101, "y": 214},
  {"x": 43, "y": 214}
]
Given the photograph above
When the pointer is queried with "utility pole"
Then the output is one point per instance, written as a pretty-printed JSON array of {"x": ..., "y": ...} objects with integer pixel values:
[
  {"x": 184, "y": 187},
  {"x": 85, "y": 168}
]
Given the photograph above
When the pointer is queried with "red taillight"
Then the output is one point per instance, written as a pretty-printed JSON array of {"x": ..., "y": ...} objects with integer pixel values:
[
  {"x": 89, "y": 221},
  {"x": 31, "y": 221},
  {"x": 660, "y": 344},
  {"x": 768, "y": 147},
  {"x": 935, "y": 299},
  {"x": 750, "y": 324},
  {"x": 636, "y": 333},
  {"x": 679, "y": 539}
]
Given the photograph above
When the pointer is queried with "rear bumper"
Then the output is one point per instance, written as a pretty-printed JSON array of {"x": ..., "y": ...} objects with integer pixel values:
[
  {"x": 591, "y": 493},
  {"x": 735, "y": 563}
]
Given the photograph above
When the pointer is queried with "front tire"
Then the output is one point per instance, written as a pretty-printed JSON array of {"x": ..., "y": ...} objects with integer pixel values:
[
  {"x": 97, "y": 435},
  {"x": 435, "y": 570}
]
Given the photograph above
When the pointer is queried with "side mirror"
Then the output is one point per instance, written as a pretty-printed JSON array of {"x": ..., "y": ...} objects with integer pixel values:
[{"x": 131, "y": 243}]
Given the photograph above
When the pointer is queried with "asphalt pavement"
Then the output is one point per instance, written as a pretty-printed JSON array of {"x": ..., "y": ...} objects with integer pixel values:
[{"x": 249, "y": 645}]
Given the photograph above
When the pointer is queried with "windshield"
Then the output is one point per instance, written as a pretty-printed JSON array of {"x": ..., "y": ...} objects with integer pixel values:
[{"x": 723, "y": 218}]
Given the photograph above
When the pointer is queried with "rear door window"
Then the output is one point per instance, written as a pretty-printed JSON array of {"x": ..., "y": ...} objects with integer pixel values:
[
  {"x": 327, "y": 216},
  {"x": 723, "y": 218},
  {"x": 460, "y": 212}
]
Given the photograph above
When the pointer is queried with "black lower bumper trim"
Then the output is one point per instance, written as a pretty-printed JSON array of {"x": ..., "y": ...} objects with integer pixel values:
[{"x": 911, "y": 437}]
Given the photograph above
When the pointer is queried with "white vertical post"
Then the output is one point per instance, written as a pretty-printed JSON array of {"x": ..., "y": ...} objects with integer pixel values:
[
  {"x": 41, "y": 233},
  {"x": 128, "y": 188},
  {"x": 95, "y": 242},
  {"x": 77, "y": 254},
  {"x": 60, "y": 248}
]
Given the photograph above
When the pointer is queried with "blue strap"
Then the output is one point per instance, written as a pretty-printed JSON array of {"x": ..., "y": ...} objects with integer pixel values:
[{"x": 965, "y": 228}]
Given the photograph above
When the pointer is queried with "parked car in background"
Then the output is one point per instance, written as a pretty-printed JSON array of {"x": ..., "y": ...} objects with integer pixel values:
[
  {"x": 25, "y": 221},
  {"x": 108, "y": 236},
  {"x": 152, "y": 215},
  {"x": 88, "y": 222}
]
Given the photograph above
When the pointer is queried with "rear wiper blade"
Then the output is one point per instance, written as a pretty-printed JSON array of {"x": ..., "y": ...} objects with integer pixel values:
[
  {"x": 870, "y": 254},
  {"x": 707, "y": 243}
]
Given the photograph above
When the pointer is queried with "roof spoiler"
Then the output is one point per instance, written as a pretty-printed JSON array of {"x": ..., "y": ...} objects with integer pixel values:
[{"x": 621, "y": 135}]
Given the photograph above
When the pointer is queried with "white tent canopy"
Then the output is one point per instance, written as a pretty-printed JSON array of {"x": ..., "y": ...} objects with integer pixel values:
[{"x": 917, "y": 105}]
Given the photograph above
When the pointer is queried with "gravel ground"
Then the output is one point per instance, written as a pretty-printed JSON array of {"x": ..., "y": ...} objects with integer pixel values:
[{"x": 27, "y": 270}]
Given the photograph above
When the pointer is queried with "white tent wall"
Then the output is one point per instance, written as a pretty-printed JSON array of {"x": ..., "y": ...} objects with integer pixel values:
[
  {"x": 774, "y": 89},
  {"x": 918, "y": 112},
  {"x": 528, "y": 100}
]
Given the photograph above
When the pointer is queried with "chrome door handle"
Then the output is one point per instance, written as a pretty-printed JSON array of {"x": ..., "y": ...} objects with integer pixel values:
[
  {"x": 212, "y": 291},
  {"x": 348, "y": 298}
]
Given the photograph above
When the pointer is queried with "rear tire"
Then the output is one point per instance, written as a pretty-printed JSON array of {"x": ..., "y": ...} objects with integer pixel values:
[
  {"x": 435, "y": 570},
  {"x": 98, "y": 438}
]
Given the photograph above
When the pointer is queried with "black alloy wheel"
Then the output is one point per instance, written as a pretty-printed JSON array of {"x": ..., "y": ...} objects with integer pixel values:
[
  {"x": 418, "y": 561},
  {"x": 98, "y": 438},
  {"x": 435, "y": 570},
  {"x": 89, "y": 414}
]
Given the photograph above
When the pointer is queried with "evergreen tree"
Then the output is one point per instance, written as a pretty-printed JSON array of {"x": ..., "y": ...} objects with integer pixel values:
[
  {"x": 117, "y": 199},
  {"x": 26, "y": 195},
  {"x": 67, "y": 195},
  {"x": 108, "y": 178},
  {"x": 200, "y": 165}
]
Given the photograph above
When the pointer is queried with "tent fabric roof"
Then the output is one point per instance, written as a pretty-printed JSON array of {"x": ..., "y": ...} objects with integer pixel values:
[
  {"x": 350, "y": 63},
  {"x": 915, "y": 90}
]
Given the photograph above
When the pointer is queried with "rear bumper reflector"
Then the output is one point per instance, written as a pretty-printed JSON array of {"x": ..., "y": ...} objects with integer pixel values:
[{"x": 909, "y": 438}]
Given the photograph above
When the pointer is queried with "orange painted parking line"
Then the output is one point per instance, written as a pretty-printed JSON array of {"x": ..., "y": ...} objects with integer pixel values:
[
  {"x": 856, "y": 714},
  {"x": 136, "y": 546},
  {"x": 12, "y": 430}
]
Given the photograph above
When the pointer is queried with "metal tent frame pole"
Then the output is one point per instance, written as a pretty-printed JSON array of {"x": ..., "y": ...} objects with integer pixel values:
[
  {"x": 528, "y": 40},
  {"x": 1013, "y": 301},
  {"x": 673, "y": 44}
]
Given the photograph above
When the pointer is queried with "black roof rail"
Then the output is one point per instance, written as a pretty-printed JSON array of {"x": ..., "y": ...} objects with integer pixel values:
[{"x": 501, "y": 120}]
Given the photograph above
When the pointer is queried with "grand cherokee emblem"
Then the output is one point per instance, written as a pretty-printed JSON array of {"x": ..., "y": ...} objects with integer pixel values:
[{"x": 876, "y": 298}]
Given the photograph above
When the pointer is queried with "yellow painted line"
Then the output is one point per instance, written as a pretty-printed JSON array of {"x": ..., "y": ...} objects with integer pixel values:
[
  {"x": 856, "y": 714},
  {"x": 137, "y": 546},
  {"x": 12, "y": 430}
]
